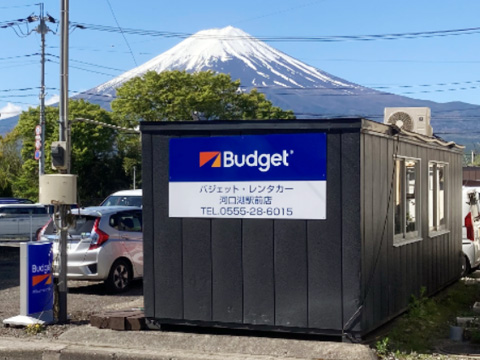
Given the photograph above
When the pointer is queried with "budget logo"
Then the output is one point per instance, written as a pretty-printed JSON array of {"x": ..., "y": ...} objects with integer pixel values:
[
  {"x": 41, "y": 274},
  {"x": 46, "y": 279},
  {"x": 262, "y": 161},
  {"x": 212, "y": 158}
]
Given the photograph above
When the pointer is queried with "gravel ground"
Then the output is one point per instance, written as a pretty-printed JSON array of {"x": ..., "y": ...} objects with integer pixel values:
[{"x": 83, "y": 299}]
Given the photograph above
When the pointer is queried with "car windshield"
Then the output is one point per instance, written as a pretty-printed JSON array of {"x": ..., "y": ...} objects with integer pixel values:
[
  {"x": 82, "y": 225},
  {"x": 125, "y": 200}
]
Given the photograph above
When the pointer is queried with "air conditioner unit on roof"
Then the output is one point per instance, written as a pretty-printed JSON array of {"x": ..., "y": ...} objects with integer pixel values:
[{"x": 416, "y": 119}]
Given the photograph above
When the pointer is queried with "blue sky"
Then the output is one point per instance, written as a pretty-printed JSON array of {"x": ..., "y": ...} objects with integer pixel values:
[{"x": 437, "y": 68}]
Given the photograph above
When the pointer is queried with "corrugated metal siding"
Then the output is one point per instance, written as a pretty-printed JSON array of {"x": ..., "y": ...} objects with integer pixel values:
[
  {"x": 397, "y": 273},
  {"x": 325, "y": 249},
  {"x": 471, "y": 176},
  {"x": 351, "y": 220}
]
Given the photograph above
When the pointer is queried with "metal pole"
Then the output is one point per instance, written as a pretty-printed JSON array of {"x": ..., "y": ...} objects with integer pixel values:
[
  {"x": 63, "y": 136},
  {"x": 43, "y": 30},
  {"x": 63, "y": 105},
  {"x": 134, "y": 177},
  {"x": 62, "y": 276}
]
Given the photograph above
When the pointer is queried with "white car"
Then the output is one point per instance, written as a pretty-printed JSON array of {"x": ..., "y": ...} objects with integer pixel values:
[
  {"x": 103, "y": 243},
  {"x": 470, "y": 247},
  {"x": 124, "y": 197}
]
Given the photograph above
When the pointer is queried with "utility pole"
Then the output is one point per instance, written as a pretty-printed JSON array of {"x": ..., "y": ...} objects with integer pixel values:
[
  {"x": 42, "y": 29},
  {"x": 63, "y": 105},
  {"x": 64, "y": 135}
]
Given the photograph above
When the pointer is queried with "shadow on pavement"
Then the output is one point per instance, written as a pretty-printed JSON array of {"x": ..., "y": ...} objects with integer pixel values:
[
  {"x": 9, "y": 267},
  {"x": 98, "y": 288}
]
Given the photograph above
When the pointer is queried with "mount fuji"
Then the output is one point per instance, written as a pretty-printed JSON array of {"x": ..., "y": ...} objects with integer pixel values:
[{"x": 286, "y": 82}]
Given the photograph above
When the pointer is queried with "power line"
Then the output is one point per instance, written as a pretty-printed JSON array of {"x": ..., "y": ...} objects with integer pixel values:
[
  {"x": 18, "y": 64},
  {"x": 87, "y": 63},
  {"x": 284, "y": 91},
  {"x": 121, "y": 31},
  {"x": 16, "y": 6},
  {"x": 18, "y": 56},
  {"x": 80, "y": 68},
  {"x": 335, "y": 38},
  {"x": 22, "y": 89},
  {"x": 10, "y": 23}
]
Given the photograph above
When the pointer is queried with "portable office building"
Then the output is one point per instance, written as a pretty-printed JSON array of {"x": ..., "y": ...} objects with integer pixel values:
[{"x": 309, "y": 226}]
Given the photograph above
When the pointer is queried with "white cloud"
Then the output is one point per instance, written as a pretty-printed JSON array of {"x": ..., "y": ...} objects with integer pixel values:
[
  {"x": 53, "y": 100},
  {"x": 10, "y": 110}
]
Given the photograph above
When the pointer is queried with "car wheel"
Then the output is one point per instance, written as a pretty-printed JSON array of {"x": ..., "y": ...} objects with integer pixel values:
[
  {"x": 466, "y": 269},
  {"x": 119, "y": 277}
]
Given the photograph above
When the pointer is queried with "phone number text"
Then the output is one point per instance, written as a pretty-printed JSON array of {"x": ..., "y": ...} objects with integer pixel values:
[{"x": 246, "y": 211}]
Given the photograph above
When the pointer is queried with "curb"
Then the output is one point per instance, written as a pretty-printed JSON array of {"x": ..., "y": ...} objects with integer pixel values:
[
  {"x": 15, "y": 349},
  {"x": 87, "y": 342}
]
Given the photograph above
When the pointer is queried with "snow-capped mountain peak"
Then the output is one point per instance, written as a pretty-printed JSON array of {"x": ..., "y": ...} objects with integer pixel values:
[{"x": 233, "y": 51}]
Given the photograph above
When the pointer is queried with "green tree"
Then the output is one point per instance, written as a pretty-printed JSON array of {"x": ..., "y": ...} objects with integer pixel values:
[
  {"x": 10, "y": 164},
  {"x": 178, "y": 95},
  {"x": 94, "y": 157}
]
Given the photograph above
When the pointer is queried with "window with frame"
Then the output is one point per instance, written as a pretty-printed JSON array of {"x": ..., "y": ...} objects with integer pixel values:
[
  {"x": 437, "y": 196},
  {"x": 127, "y": 221},
  {"x": 407, "y": 200}
]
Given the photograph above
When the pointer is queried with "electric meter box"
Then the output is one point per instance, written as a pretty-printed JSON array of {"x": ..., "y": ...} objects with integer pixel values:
[{"x": 60, "y": 188}]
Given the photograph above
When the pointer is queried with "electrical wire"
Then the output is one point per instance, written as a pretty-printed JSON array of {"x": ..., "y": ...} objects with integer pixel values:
[
  {"x": 86, "y": 63},
  {"x": 10, "y": 23},
  {"x": 80, "y": 68},
  {"x": 19, "y": 56},
  {"x": 121, "y": 31},
  {"x": 334, "y": 38},
  {"x": 17, "y": 6}
]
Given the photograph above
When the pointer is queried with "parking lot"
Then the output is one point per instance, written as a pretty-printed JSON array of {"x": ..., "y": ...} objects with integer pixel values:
[{"x": 83, "y": 300}]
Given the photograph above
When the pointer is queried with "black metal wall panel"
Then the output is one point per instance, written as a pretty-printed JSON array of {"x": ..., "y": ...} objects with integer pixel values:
[
  {"x": 325, "y": 250},
  {"x": 351, "y": 231},
  {"x": 369, "y": 219},
  {"x": 167, "y": 239},
  {"x": 455, "y": 209},
  {"x": 377, "y": 155},
  {"x": 197, "y": 269},
  {"x": 391, "y": 270},
  {"x": 258, "y": 272},
  {"x": 148, "y": 231},
  {"x": 383, "y": 203},
  {"x": 227, "y": 278},
  {"x": 291, "y": 269},
  {"x": 403, "y": 270}
]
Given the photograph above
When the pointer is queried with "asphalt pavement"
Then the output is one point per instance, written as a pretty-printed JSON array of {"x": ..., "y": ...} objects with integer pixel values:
[{"x": 87, "y": 342}]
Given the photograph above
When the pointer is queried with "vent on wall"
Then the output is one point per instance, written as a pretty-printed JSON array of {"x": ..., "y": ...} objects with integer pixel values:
[{"x": 415, "y": 119}]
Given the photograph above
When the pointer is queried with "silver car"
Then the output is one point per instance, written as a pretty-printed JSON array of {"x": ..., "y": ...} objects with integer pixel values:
[
  {"x": 104, "y": 243},
  {"x": 21, "y": 221}
]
